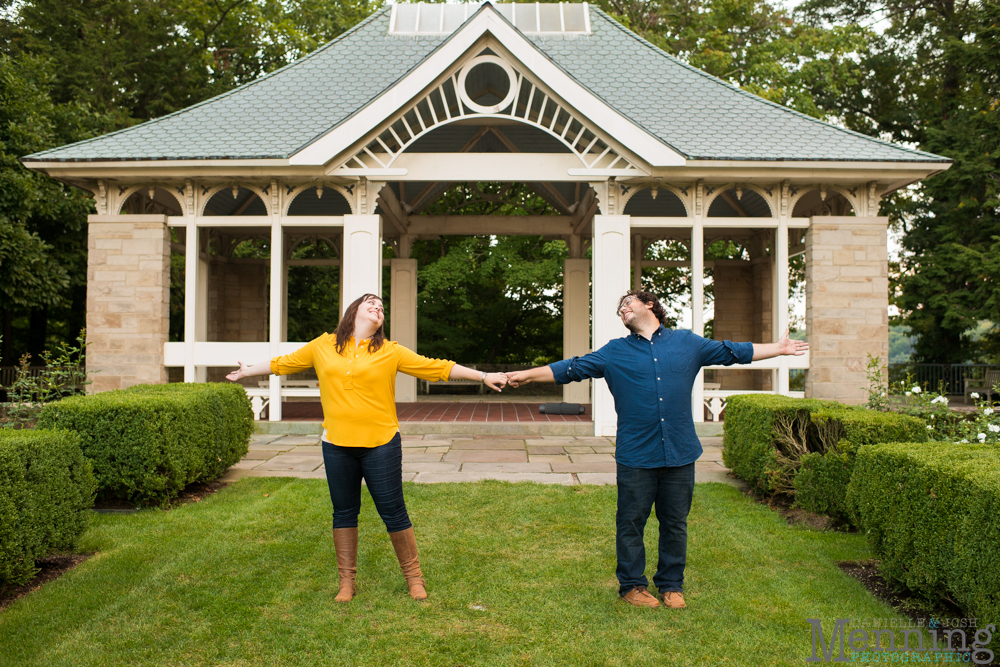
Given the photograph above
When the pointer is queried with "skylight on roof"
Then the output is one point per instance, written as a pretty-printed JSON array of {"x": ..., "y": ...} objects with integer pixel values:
[{"x": 530, "y": 18}]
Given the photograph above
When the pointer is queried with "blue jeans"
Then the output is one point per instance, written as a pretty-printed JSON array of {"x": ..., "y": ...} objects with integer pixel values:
[
  {"x": 639, "y": 489},
  {"x": 382, "y": 469}
]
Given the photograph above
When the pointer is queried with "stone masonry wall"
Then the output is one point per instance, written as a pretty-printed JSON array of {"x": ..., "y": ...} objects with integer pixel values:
[
  {"x": 237, "y": 301},
  {"x": 743, "y": 313},
  {"x": 128, "y": 301},
  {"x": 847, "y": 301}
]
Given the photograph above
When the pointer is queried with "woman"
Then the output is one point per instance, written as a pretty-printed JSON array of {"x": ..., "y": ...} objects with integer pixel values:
[{"x": 357, "y": 370}]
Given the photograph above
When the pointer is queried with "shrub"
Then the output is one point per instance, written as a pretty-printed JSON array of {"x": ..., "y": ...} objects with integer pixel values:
[
  {"x": 822, "y": 480},
  {"x": 46, "y": 488},
  {"x": 148, "y": 442},
  {"x": 749, "y": 436},
  {"x": 930, "y": 512}
]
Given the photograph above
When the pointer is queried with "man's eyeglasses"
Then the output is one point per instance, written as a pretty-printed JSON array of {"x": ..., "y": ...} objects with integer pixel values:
[{"x": 625, "y": 303}]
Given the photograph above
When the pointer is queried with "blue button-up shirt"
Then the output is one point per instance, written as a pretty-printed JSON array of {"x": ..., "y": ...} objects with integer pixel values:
[{"x": 651, "y": 382}]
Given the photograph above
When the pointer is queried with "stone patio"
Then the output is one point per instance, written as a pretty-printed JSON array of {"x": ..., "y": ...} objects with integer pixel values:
[{"x": 460, "y": 457}]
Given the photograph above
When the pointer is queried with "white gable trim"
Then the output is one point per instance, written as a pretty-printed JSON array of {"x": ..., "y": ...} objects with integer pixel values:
[{"x": 610, "y": 121}]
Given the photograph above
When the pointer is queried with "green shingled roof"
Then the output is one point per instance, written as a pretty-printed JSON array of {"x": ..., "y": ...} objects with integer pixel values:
[{"x": 696, "y": 114}]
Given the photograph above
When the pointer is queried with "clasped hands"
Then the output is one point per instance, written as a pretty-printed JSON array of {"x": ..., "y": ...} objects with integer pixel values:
[{"x": 497, "y": 381}]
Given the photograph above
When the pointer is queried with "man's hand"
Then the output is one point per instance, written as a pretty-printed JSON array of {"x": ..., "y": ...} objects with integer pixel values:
[
  {"x": 239, "y": 373},
  {"x": 796, "y": 348},
  {"x": 517, "y": 378}
]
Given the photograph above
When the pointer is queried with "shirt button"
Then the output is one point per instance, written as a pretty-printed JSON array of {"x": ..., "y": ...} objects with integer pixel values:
[
  {"x": 654, "y": 358},
  {"x": 657, "y": 378},
  {"x": 661, "y": 420},
  {"x": 661, "y": 399}
]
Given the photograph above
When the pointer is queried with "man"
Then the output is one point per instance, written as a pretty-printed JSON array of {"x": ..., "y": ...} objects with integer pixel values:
[{"x": 650, "y": 373}]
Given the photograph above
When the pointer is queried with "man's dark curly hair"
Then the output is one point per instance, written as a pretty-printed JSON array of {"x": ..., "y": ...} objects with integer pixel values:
[{"x": 647, "y": 298}]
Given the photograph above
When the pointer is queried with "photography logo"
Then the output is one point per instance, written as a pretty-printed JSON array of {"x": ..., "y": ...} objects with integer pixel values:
[{"x": 894, "y": 640}]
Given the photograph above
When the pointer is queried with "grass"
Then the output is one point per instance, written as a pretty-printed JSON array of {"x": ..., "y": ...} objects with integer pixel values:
[{"x": 519, "y": 574}]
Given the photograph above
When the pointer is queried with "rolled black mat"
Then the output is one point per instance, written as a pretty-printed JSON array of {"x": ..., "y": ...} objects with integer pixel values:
[{"x": 561, "y": 409}]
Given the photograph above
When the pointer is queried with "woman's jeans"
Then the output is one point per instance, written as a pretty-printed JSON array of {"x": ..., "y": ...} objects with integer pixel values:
[
  {"x": 382, "y": 469},
  {"x": 639, "y": 489}
]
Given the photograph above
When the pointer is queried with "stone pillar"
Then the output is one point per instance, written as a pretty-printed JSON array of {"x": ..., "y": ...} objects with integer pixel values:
[
  {"x": 361, "y": 257},
  {"x": 128, "y": 300},
  {"x": 612, "y": 273},
  {"x": 847, "y": 302},
  {"x": 403, "y": 330},
  {"x": 734, "y": 309},
  {"x": 576, "y": 322}
]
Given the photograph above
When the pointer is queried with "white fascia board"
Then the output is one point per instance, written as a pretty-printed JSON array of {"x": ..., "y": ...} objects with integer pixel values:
[{"x": 631, "y": 136}]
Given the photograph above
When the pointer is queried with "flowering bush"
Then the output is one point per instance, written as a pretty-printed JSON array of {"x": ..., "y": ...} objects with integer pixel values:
[{"x": 944, "y": 424}]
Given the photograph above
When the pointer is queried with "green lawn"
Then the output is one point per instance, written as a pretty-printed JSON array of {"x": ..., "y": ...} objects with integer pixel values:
[{"x": 518, "y": 574}]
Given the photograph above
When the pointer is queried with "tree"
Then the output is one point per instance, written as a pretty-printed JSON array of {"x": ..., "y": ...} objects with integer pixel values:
[
  {"x": 42, "y": 235},
  {"x": 931, "y": 79}
]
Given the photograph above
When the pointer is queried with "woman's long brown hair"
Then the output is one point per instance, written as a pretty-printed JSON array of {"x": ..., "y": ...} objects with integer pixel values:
[{"x": 346, "y": 327}]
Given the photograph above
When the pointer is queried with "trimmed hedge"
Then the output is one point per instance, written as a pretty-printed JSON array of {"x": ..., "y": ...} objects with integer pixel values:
[
  {"x": 932, "y": 515},
  {"x": 46, "y": 489},
  {"x": 821, "y": 483},
  {"x": 148, "y": 442},
  {"x": 748, "y": 433}
]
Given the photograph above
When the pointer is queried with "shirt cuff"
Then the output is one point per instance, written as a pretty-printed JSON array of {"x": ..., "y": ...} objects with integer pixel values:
[
  {"x": 560, "y": 370},
  {"x": 446, "y": 371},
  {"x": 742, "y": 352},
  {"x": 274, "y": 366}
]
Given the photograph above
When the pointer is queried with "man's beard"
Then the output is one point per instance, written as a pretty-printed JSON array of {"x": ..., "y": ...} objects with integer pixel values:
[{"x": 633, "y": 324}]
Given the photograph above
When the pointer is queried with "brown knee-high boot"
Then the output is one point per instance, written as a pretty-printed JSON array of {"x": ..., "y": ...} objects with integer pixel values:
[
  {"x": 345, "y": 541},
  {"x": 405, "y": 545}
]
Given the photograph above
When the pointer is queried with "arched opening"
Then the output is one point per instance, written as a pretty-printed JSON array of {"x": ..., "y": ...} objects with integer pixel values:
[
  {"x": 656, "y": 202},
  {"x": 235, "y": 201},
  {"x": 735, "y": 203},
  {"x": 820, "y": 203},
  {"x": 151, "y": 201},
  {"x": 319, "y": 201}
]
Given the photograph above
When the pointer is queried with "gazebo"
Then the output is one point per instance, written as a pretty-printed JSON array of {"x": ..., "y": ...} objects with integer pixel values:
[{"x": 352, "y": 143}]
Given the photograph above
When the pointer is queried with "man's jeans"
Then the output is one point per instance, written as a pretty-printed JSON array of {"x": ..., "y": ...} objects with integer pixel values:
[
  {"x": 639, "y": 489},
  {"x": 382, "y": 469}
]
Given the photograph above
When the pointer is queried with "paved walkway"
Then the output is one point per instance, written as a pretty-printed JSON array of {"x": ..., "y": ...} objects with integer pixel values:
[{"x": 463, "y": 458}]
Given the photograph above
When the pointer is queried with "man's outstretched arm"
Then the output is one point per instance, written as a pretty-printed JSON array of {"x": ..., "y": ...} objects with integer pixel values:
[
  {"x": 784, "y": 346},
  {"x": 537, "y": 374}
]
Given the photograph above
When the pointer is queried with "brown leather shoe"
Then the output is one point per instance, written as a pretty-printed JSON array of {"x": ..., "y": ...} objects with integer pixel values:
[
  {"x": 640, "y": 597},
  {"x": 405, "y": 545},
  {"x": 345, "y": 541},
  {"x": 673, "y": 600}
]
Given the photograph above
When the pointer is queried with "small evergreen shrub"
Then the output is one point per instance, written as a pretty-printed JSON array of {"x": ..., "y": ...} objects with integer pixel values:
[
  {"x": 822, "y": 479},
  {"x": 931, "y": 512},
  {"x": 46, "y": 489},
  {"x": 749, "y": 436},
  {"x": 148, "y": 442}
]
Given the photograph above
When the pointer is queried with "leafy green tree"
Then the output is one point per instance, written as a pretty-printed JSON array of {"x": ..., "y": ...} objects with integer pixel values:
[
  {"x": 931, "y": 79},
  {"x": 42, "y": 222}
]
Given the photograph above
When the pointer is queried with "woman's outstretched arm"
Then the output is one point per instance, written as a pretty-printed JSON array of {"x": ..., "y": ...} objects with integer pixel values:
[
  {"x": 495, "y": 381},
  {"x": 263, "y": 368}
]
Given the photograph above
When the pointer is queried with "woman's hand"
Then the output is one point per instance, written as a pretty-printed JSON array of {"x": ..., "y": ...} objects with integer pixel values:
[
  {"x": 495, "y": 381},
  {"x": 241, "y": 372}
]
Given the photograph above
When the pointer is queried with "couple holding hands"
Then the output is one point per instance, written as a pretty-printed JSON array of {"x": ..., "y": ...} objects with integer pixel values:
[{"x": 649, "y": 372}]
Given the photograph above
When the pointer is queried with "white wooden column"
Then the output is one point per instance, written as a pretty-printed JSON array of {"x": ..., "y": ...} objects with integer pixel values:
[
  {"x": 576, "y": 322},
  {"x": 403, "y": 330},
  {"x": 361, "y": 257},
  {"x": 191, "y": 290},
  {"x": 277, "y": 307},
  {"x": 201, "y": 315},
  {"x": 611, "y": 268},
  {"x": 781, "y": 297},
  {"x": 698, "y": 310},
  {"x": 637, "y": 261}
]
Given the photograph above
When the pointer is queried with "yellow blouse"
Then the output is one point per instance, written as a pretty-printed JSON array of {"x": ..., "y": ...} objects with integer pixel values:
[{"x": 357, "y": 388}]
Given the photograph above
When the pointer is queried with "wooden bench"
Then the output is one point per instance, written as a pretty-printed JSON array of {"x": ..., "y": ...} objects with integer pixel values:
[
  {"x": 982, "y": 385},
  {"x": 260, "y": 395}
]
